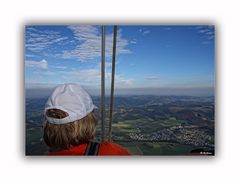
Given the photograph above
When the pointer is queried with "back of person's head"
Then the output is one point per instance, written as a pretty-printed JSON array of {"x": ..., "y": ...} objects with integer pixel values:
[
  {"x": 69, "y": 117},
  {"x": 63, "y": 136}
]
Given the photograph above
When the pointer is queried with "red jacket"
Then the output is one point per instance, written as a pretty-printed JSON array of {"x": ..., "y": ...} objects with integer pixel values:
[{"x": 106, "y": 148}]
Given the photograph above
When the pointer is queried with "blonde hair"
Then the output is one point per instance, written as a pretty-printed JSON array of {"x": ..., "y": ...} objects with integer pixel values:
[{"x": 63, "y": 136}]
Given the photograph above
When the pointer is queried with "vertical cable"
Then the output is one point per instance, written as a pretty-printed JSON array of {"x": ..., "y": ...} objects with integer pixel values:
[
  {"x": 112, "y": 82},
  {"x": 103, "y": 81}
]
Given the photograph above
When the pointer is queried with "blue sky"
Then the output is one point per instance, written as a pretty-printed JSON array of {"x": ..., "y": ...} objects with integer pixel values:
[{"x": 148, "y": 57}]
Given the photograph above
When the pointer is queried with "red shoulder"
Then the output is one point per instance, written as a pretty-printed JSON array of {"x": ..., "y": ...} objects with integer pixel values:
[
  {"x": 110, "y": 148},
  {"x": 76, "y": 150}
]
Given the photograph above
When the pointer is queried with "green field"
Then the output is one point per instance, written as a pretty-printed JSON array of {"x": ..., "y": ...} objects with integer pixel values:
[{"x": 147, "y": 148}]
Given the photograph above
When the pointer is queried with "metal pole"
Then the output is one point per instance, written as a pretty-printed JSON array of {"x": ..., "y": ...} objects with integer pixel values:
[
  {"x": 103, "y": 81},
  {"x": 112, "y": 82}
]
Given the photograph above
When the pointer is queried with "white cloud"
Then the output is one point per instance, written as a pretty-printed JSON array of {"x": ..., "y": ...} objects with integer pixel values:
[
  {"x": 122, "y": 82},
  {"x": 43, "y": 64},
  {"x": 152, "y": 78},
  {"x": 143, "y": 31},
  {"x": 85, "y": 45},
  {"x": 92, "y": 77},
  {"x": 86, "y": 75},
  {"x": 133, "y": 42},
  {"x": 205, "y": 42},
  {"x": 38, "y": 40},
  {"x": 199, "y": 27},
  {"x": 29, "y": 55},
  {"x": 203, "y": 30},
  {"x": 207, "y": 34},
  {"x": 49, "y": 73},
  {"x": 168, "y": 28},
  {"x": 89, "y": 38},
  {"x": 61, "y": 67}
]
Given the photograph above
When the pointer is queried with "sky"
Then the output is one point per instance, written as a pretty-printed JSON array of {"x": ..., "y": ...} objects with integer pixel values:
[{"x": 150, "y": 59}]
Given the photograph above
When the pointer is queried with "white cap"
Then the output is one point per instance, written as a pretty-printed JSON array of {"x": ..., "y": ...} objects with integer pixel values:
[{"x": 72, "y": 99}]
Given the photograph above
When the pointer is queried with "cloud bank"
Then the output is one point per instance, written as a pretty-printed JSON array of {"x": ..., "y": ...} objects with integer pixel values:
[
  {"x": 43, "y": 64},
  {"x": 89, "y": 47}
]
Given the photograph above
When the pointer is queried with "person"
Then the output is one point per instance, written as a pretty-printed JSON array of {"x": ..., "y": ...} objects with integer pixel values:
[{"x": 70, "y": 124}]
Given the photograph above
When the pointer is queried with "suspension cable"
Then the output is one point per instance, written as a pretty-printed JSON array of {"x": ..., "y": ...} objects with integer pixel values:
[
  {"x": 112, "y": 82},
  {"x": 103, "y": 82}
]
